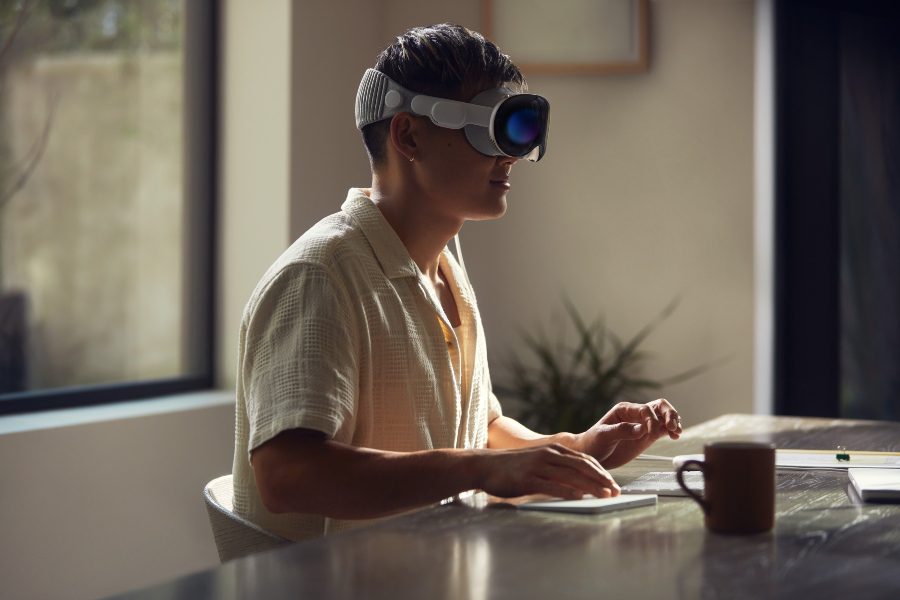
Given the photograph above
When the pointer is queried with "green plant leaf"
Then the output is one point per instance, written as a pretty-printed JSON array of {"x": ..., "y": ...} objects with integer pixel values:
[{"x": 572, "y": 385}]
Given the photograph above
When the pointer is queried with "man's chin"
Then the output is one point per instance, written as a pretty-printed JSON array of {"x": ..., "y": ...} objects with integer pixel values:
[{"x": 494, "y": 211}]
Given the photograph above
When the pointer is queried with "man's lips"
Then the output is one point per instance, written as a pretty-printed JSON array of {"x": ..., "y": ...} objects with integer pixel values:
[{"x": 501, "y": 181}]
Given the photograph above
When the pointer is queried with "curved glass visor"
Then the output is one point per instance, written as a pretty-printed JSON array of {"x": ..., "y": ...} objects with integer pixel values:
[{"x": 520, "y": 126}]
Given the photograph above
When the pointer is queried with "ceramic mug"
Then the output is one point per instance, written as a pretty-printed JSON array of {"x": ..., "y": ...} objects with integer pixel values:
[{"x": 739, "y": 486}]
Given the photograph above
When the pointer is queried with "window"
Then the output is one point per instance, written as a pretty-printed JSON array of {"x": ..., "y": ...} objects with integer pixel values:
[
  {"x": 838, "y": 209},
  {"x": 106, "y": 186}
]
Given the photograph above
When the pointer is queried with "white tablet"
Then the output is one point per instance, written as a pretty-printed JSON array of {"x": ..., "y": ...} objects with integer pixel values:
[{"x": 592, "y": 505}]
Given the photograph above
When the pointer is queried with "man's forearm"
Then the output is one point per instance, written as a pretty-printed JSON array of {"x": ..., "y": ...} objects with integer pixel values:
[
  {"x": 504, "y": 432},
  {"x": 346, "y": 482}
]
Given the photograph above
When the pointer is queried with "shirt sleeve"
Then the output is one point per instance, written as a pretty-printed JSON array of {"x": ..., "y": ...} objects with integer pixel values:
[
  {"x": 494, "y": 408},
  {"x": 301, "y": 367}
]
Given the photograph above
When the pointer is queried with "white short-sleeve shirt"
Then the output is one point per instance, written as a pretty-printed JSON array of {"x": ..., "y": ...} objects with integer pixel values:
[{"x": 343, "y": 335}]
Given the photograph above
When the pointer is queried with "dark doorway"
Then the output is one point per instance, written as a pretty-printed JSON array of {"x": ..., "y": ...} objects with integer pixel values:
[{"x": 838, "y": 209}]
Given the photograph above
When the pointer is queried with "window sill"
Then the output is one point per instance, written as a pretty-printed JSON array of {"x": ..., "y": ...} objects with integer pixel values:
[{"x": 67, "y": 417}]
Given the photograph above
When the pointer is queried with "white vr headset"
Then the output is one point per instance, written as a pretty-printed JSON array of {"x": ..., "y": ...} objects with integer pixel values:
[{"x": 497, "y": 122}]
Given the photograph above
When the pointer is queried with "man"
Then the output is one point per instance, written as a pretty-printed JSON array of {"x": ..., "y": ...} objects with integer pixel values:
[{"x": 363, "y": 387}]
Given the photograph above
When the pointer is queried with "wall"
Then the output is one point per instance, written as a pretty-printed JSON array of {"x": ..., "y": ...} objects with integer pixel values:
[
  {"x": 645, "y": 194},
  {"x": 254, "y": 169},
  {"x": 104, "y": 507},
  {"x": 333, "y": 43}
]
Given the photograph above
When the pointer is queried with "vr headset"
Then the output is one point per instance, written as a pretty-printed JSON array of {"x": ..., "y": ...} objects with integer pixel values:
[{"x": 497, "y": 122}]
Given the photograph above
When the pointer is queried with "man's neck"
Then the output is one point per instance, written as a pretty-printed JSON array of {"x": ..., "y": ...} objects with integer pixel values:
[{"x": 424, "y": 232}]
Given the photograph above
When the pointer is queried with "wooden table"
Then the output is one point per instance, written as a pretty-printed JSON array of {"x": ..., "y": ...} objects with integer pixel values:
[{"x": 824, "y": 545}]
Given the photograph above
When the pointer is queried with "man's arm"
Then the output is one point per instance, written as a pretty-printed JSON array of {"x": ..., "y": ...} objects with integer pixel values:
[
  {"x": 622, "y": 434},
  {"x": 505, "y": 433},
  {"x": 302, "y": 471}
]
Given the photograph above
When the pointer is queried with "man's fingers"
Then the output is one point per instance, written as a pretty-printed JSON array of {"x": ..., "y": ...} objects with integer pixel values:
[
  {"x": 590, "y": 484},
  {"x": 559, "y": 490},
  {"x": 668, "y": 415},
  {"x": 632, "y": 412},
  {"x": 625, "y": 411},
  {"x": 582, "y": 471},
  {"x": 649, "y": 416},
  {"x": 658, "y": 416},
  {"x": 587, "y": 466}
]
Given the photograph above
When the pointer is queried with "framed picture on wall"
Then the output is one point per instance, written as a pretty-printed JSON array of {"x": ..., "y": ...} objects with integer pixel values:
[{"x": 570, "y": 36}]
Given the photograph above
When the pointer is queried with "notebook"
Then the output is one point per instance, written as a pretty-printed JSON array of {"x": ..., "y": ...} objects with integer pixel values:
[
  {"x": 829, "y": 460},
  {"x": 878, "y": 485},
  {"x": 591, "y": 505}
]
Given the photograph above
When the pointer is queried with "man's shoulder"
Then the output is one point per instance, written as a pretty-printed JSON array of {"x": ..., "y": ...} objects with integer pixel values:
[
  {"x": 332, "y": 245},
  {"x": 326, "y": 243}
]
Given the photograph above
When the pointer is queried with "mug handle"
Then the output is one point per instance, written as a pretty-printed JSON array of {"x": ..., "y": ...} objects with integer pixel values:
[{"x": 679, "y": 475}]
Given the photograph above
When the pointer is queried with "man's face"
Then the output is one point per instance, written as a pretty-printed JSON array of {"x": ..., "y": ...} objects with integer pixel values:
[{"x": 461, "y": 181}]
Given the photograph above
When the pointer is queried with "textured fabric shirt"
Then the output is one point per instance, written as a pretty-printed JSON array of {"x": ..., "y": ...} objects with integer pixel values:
[{"x": 343, "y": 335}]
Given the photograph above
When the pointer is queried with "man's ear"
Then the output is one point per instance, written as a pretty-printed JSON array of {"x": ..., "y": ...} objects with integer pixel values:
[{"x": 404, "y": 135}]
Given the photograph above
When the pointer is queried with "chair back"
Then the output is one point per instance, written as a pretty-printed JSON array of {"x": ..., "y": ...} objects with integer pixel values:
[{"x": 234, "y": 535}]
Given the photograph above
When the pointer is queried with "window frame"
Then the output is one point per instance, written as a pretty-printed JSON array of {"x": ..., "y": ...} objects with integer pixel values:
[{"x": 200, "y": 118}]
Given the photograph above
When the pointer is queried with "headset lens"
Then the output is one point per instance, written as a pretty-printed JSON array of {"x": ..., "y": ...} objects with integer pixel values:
[{"x": 521, "y": 124}]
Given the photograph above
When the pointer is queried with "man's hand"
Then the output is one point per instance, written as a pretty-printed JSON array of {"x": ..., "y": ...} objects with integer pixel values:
[
  {"x": 301, "y": 471},
  {"x": 552, "y": 469},
  {"x": 627, "y": 430}
]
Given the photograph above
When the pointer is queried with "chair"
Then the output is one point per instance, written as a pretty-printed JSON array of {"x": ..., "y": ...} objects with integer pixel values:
[{"x": 234, "y": 535}]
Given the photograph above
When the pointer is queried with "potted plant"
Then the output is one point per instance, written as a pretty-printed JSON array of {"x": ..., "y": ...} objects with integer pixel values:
[{"x": 568, "y": 387}]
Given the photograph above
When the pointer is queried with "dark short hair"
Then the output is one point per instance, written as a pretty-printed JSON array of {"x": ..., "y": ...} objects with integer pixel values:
[{"x": 445, "y": 60}]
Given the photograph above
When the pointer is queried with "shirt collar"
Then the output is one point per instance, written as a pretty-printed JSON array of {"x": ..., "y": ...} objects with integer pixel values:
[
  {"x": 389, "y": 250},
  {"x": 459, "y": 283}
]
